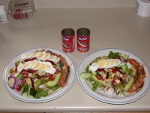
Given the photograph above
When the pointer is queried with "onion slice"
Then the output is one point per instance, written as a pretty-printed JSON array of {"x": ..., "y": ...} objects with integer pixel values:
[{"x": 12, "y": 81}]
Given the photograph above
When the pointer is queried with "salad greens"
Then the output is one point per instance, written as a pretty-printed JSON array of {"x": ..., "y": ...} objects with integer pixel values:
[
  {"x": 38, "y": 75},
  {"x": 118, "y": 77}
]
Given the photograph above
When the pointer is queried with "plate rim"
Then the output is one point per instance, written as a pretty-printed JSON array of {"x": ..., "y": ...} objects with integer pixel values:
[
  {"x": 109, "y": 101},
  {"x": 63, "y": 90}
]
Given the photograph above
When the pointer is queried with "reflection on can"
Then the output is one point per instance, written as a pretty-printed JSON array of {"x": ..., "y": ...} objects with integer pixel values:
[
  {"x": 68, "y": 40},
  {"x": 83, "y": 39}
]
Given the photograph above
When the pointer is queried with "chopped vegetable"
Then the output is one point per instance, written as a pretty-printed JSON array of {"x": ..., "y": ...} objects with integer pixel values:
[
  {"x": 115, "y": 72},
  {"x": 113, "y": 55},
  {"x": 12, "y": 81},
  {"x": 37, "y": 74}
]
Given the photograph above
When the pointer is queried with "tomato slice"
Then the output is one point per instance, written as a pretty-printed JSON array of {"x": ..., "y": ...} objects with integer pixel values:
[
  {"x": 98, "y": 77},
  {"x": 24, "y": 81},
  {"x": 57, "y": 71}
]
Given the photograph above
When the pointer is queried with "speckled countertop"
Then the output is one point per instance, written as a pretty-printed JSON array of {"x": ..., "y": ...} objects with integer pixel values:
[{"x": 110, "y": 28}]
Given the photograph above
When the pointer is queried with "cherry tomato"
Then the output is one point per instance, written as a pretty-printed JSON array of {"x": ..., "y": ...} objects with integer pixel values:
[
  {"x": 51, "y": 77},
  {"x": 114, "y": 70},
  {"x": 18, "y": 88}
]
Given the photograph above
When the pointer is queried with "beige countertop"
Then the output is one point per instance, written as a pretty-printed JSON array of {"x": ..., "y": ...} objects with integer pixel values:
[{"x": 110, "y": 28}]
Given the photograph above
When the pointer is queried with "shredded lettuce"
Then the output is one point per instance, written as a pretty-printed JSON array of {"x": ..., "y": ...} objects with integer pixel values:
[
  {"x": 113, "y": 55},
  {"x": 123, "y": 57},
  {"x": 126, "y": 70},
  {"x": 42, "y": 93}
]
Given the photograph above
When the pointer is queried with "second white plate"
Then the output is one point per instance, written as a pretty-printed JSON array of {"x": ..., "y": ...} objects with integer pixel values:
[
  {"x": 104, "y": 97},
  {"x": 15, "y": 94}
]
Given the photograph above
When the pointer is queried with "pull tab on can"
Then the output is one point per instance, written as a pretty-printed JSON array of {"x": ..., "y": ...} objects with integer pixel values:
[
  {"x": 83, "y": 39},
  {"x": 68, "y": 40}
]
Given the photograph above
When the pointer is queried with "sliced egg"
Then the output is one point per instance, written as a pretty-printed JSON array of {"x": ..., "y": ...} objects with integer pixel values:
[
  {"x": 110, "y": 91},
  {"x": 42, "y": 55},
  {"x": 37, "y": 54},
  {"x": 43, "y": 66},
  {"x": 57, "y": 60},
  {"x": 108, "y": 63},
  {"x": 49, "y": 65},
  {"x": 54, "y": 58},
  {"x": 93, "y": 67},
  {"x": 48, "y": 55},
  {"x": 112, "y": 62},
  {"x": 27, "y": 65},
  {"x": 20, "y": 67},
  {"x": 117, "y": 62},
  {"x": 129, "y": 65},
  {"x": 102, "y": 63},
  {"x": 30, "y": 55},
  {"x": 53, "y": 70},
  {"x": 37, "y": 66},
  {"x": 34, "y": 62},
  {"x": 50, "y": 69},
  {"x": 23, "y": 56}
]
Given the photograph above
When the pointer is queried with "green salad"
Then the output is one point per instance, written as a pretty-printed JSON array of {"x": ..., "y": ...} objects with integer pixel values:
[
  {"x": 38, "y": 74},
  {"x": 116, "y": 73}
]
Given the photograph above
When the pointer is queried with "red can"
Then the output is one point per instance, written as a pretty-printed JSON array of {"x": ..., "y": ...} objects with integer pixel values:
[
  {"x": 68, "y": 40},
  {"x": 83, "y": 39}
]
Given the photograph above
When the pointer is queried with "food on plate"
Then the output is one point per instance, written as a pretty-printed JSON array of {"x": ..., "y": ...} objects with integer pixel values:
[
  {"x": 115, "y": 74},
  {"x": 39, "y": 74}
]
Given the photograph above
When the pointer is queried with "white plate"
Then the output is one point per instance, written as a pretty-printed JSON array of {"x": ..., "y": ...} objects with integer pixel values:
[
  {"x": 109, "y": 98},
  {"x": 15, "y": 94}
]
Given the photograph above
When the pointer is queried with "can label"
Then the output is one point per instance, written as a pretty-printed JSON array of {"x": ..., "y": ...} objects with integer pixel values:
[
  {"x": 83, "y": 43},
  {"x": 68, "y": 43}
]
